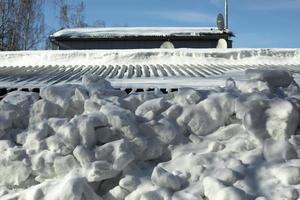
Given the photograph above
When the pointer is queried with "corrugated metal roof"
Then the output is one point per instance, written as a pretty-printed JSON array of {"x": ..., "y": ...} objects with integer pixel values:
[
  {"x": 38, "y": 76},
  {"x": 139, "y": 68}
]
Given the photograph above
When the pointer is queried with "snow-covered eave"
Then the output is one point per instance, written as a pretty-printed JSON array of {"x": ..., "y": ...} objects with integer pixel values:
[
  {"x": 138, "y": 32},
  {"x": 171, "y": 37}
]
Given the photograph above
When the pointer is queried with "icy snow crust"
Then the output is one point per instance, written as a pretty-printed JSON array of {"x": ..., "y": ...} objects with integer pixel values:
[{"x": 90, "y": 141}]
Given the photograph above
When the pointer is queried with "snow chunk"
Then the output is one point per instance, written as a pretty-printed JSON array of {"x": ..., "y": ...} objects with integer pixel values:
[
  {"x": 72, "y": 186},
  {"x": 21, "y": 99},
  {"x": 208, "y": 115},
  {"x": 5, "y": 144},
  {"x": 15, "y": 108},
  {"x": 275, "y": 78},
  {"x": 13, "y": 172},
  {"x": 70, "y": 134},
  {"x": 153, "y": 106},
  {"x": 111, "y": 159},
  {"x": 42, "y": 165},
  {"x": 282, "y": 120},
  {"x": 84, "y": 156},
  {"x": 280, "y": 150},
  {"x": 148, "y": 148},
  {"x": 254, "y": 86},
  {"x": 230, "y": 193},
  {"x": 129, "y": 183},
  {"x": 226, "y": 175},
  {"x": 287, "y": 175},
  {"x": 95, "y": 83},
  {"x": 211, "y": 187},
  {"x": 121, "y": 119},
  {"x": 164, "y": 179},
  {"x": 173, "y": 112},
  {"x": 66, "y": 96},
  {"x": 186, "y": 96},
  {"x": 101, "y": 170},
  {"x": 86, "y": 125},
  {"x": 99, "y": 87},
  {"x": 57, "y": 144},
  {"x": 117, "y": 193},
  {"x": 64, "y": 164},
  {"x": 193, "y": 192},
  {"x": 255, "y": 119},
  {"x": 44, "y": 109},
  {"x": 163, "y": 130},
  {"x": 276, "y": 118},
  {"x": 117, "y": 153}
]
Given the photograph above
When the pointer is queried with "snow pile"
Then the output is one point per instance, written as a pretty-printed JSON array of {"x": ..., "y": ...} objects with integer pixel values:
[{"x": 91, "y": 141}]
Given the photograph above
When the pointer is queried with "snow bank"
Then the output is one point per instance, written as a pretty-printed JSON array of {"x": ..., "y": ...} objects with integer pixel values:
[{"x": 91, "y": 141}]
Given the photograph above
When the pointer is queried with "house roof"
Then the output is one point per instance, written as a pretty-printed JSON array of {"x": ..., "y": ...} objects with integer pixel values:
[{"x": 135, "y": 32}]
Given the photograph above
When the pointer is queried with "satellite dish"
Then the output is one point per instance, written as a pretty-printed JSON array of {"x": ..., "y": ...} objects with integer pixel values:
[
  {"x": 167, "y": 45},
  {"x": 220, "y": 22}
]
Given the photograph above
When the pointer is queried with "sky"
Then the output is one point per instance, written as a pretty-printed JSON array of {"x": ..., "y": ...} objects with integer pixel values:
[{"x": 255, "y": 23}]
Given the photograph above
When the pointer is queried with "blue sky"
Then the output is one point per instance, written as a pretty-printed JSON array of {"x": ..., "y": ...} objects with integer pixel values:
[{"x": 256, "y": 23}]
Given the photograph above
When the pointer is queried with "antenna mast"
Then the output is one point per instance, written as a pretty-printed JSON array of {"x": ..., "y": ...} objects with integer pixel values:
[{"x": 226, "y": 14}]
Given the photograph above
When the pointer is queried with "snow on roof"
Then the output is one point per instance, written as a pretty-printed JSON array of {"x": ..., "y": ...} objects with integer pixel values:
[
  {"x": 150, "y": 56},
  {"x": 136, "y": 32}
]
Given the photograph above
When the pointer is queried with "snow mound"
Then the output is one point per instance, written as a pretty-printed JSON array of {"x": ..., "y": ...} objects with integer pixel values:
[{"x": 90, "y": 141}]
